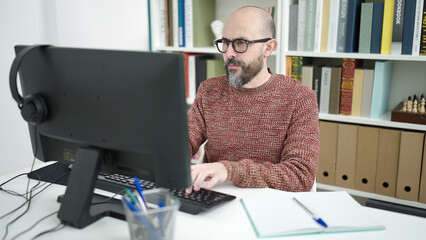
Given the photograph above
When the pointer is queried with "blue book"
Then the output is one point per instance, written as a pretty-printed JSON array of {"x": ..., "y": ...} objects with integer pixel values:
[
  {"x": 381, "y": 88},
  {"x": 352, "y": 26},
  {"x": 376, "y": 29},
  {"x": 181, "y": 23},
  {"x": 341, "y": 26},
  {"x": 408, "y": 27}
]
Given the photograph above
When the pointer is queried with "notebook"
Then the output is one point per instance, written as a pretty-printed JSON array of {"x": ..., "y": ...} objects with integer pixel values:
[{"x": 278, "y": 214}]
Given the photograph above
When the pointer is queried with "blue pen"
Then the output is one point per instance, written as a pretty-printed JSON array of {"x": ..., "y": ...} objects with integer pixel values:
[
  {"x": 139, "y": 187},
  {"x": 142, "y": 219},
  {"x": 161, "y": 214},
  {"x": 315, "y": 217}
]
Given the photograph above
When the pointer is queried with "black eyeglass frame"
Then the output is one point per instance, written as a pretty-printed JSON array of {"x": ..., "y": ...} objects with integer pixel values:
[{"x": 227, "y": 42}]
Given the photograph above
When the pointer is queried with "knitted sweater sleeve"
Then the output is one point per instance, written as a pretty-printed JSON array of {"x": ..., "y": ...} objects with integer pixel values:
[{"x": 298, "y": 165}]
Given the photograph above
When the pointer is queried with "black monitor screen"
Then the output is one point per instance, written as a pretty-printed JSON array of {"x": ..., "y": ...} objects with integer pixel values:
[{"x": 128, "y": 105}]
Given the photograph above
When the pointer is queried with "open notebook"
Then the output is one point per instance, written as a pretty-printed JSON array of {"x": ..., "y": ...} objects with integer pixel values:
[{"x": 278, "y": 214}]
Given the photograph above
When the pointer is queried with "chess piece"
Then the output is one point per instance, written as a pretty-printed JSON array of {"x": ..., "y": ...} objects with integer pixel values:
[
  {"x": 217, "y": 27},
  {"x": 415, "y": 106},
  {"x": 409, "y": 105},
  {"x": 404, "y": 108},
  {"x": 422, "y": 106}
]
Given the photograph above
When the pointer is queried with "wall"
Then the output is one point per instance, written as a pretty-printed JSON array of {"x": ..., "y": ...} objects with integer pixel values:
[{"x": 90, "y": 24}]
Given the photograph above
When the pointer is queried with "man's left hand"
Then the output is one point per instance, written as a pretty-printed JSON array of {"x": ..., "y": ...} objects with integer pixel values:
[{"x": 211, "y": 172}]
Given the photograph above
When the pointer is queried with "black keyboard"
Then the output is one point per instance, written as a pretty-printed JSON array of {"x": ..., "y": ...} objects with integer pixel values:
[{"x": 192, "y": 203}]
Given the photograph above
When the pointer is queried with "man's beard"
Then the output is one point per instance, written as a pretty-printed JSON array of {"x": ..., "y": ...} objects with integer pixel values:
[{"x": 248, "y": 72}]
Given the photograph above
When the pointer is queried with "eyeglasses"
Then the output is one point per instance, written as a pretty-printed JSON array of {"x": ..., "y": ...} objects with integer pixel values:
[{"x": 240, "y": 45}]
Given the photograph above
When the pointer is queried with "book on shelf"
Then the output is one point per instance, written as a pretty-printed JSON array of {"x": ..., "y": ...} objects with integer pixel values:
[
  {"x": 346, "y": 87},
  {"x": 325, "y": 25},
  {"x": 316, "y": 83},
  {"x": 408, "y": 27},
  {"x": 333, "y": 26},
  {"x": 307, "y": 75},
  {"x": 377, "y": 27},
  {"x": 293, "y": 26},
  {"x": 365, "y": 25},
  {"x": 422, "y": 47},
  {"x": 296, "y": 67},
  {"x": 278, "y": 213},
  {"x": 189, "y": 24},
  {"x": 357, "y": 92},
  {"x": 381, "y": 88},
  {"x": 341, "y": 30},
  {"x": 318, "y": 25},
  {"x": 288, "y": 63},
  {"x": 175, "y": 17},
  {"x": 335, "y": 83},
  {"x": 367, "y": 92},
  {"x": 324, "y": 103},
  {"x": 417, "y": 27},
  {"x": 387, "y": 26},
  {"x": 398, "y": 25},
  {"x": 181, "y": 23},
  {"x": 310, "y": 25},
  {"x": 301, "y": 25},
  {"x": 352, "y": 26}
]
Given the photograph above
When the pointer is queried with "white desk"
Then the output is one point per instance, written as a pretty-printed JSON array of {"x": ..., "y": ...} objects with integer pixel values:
[{"x": 226, "y": 222}]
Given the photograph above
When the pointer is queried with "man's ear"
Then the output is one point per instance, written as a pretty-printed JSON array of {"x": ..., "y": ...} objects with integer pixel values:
[{"x": 270, "y": 46}]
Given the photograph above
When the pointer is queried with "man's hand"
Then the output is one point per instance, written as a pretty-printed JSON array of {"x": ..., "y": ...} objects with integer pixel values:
[{"x": 212, "y": 172}]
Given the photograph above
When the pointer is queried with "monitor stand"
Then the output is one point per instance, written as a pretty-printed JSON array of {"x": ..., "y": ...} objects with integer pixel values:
[{"x": 77, "y": 208}]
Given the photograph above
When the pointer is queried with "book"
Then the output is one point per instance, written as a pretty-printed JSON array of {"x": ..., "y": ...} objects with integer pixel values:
[
  {"x": 277, "y": 213},
  {"x": 175, "y": 23},
  {"x": 346, "y": 87},
  {"x": 422, "y": 48},
  {"x": 387, "y": 27},
  {"x": 376, "y": 28},
  {"x": 417, "y": 27},
  {"x": 325, "y": 89},
  {"x": 308, "y": 76},
  {"x": 381, "y": 87},
  {"x": 334, "y": 102},
  {"x": 357, "y": 92},
  {"x": 203, "y": 13},
  {"x": 333, "y": 26},
  {"x": 181, "y": 23},
  {"x": 325, "y": 25},
  {"x": 352, "y": 26},
  {"x": 367, "y": 91},
  {"x": 408, "y": 28},
  {"x": 293, "y": 27},
  {"x": 310, "y": 25},
  {"x": 189, "y": 24},
  {"x": 288, "y": 62},
  {"x": 316, "y": 83},
  {"x": 301, "y": 15},
  {"x": 296, "y": 67},
  {"x": 341, "y": 30},
  {"x": 398, "y": 24},
  {"x": 318, "y": 25},
  {"x": 366, "y": 23}
]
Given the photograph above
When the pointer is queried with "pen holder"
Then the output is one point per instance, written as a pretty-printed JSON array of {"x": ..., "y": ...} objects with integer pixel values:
[{"x": 157, "y": 223}]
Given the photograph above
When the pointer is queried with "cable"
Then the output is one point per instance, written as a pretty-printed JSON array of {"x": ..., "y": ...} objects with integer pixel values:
[
  {"x": 35, "y": 224},
  {"x": 108, "y": 199},
  {"x": 54, "y": 229}
]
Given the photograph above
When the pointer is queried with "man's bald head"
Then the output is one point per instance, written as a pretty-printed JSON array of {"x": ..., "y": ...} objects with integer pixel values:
[{"x": 256, "y": 17}]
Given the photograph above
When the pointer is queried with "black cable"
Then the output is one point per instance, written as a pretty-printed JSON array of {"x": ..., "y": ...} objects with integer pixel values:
[
  {"x": 35, "y": 224},
  {"x": 54, "y": 229},
  {"x": 108, "y": 199}
]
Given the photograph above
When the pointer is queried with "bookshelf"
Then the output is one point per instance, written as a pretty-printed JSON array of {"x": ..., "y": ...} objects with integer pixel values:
[{"x": 408, "y": 74}]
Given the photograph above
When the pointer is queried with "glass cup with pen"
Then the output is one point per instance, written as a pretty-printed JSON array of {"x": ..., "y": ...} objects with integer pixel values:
[{"x": 150, "y": 214}]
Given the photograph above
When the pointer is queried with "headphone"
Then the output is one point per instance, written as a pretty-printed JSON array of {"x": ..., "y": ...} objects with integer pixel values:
[{"x": 33, "y": 107}]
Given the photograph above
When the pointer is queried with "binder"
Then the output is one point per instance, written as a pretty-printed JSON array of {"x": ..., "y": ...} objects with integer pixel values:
[
  {"x": 387, "y": 162},
  {"x": 422, "y": 193},
  {"x": 328, "y": 152},
  {"x": 346, "y": 155},
  {"x": 410, "y": 158},
  {"x": 366, "y": 158}
]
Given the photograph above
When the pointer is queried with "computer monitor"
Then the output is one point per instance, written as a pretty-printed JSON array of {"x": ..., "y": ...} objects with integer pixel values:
[{"x": 119, "y": 111}]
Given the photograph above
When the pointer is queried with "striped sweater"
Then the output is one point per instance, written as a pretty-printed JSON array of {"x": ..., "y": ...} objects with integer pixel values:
[{"x": 266, "y": 136}]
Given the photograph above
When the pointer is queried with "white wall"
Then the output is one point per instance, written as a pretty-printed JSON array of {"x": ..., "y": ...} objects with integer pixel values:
[{"x": 79, "y": 23}]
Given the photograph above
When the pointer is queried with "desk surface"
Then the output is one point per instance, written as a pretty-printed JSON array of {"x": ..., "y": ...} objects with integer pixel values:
[{"x": 225, "y": 222}]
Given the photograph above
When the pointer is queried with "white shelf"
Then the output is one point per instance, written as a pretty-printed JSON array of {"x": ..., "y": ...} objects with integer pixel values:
[
  {"x": 357, "y": 56},
  {"x": 383, "y": 122},
  {"x": 375, "y": 196}
]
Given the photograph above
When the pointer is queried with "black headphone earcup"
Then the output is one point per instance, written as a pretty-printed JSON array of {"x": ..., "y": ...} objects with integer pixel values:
[{"x": 34, "y": 109}]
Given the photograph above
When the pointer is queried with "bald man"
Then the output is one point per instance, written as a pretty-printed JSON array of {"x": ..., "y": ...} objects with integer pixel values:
[{"x": 261, "y": 128}]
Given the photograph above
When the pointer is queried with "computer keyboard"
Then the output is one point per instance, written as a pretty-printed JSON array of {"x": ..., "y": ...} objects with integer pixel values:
[{"x": 192, "y": 203}]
